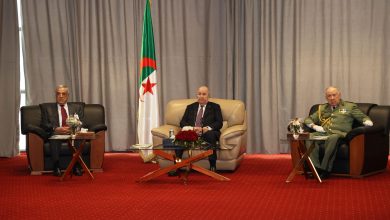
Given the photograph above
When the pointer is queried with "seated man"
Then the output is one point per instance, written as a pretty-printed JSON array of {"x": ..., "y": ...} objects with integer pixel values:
[
  {"x": 333, "y": 119},
  {"x": 54, "y": 122},
  {"x": 205, "y": 118}
]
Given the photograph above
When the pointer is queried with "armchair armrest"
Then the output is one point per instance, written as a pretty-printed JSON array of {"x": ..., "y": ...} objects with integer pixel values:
[
  {"x": 231, "y": 133},
  {"x": 98, "y": 127},
  {"x": 37, "y": 130},
  {"x": 363, "y": 130}
]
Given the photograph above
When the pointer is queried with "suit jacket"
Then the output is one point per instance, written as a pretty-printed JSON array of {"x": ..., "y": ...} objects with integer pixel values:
[
  {"x": 339, "y": 120},
  {"x": 50, "y": 117},
  {"x": 212, "y": 116}
]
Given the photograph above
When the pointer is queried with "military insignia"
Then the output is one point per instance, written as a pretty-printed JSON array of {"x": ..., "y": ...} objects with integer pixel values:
[{"x": 343, "y": 110}]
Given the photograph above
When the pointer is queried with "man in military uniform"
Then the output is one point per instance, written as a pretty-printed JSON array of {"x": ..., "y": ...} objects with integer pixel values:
[{"x": 334, "y": 120}]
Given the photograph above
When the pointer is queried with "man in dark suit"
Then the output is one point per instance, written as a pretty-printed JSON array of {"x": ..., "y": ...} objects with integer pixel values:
[
  {"x": 205, "y": 118},
  {"x": 53, "y": 121}
]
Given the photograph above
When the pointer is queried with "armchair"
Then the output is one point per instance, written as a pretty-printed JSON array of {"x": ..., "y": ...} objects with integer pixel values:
[
  {"x": 365, "y": 150},
  {"x": 38, "y": 151},
  {"x": 233, "y": 133}
]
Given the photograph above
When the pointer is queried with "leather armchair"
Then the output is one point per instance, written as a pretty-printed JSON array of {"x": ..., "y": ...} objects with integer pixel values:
[
  {"x": 233, "y": 133},
  {"x": 38, "y": 148},
  {"x": 364, "y": 151}
]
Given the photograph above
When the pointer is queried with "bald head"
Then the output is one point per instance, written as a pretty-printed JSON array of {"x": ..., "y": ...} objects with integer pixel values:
[
  {"x": 203, "y": 95},
  {"x": 332, "y": 95}
]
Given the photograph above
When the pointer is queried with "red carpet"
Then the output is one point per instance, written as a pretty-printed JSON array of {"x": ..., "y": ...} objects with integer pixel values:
[{"x": 256, "y": 191}]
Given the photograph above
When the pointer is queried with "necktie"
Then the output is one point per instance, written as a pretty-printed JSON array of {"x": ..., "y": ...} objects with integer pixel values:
[
  {"x": 198, "y": 122},
  {"x": 64, "y": 116}
]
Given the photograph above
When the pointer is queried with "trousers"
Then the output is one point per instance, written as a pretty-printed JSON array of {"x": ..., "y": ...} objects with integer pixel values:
[{"x": 330, "y": 145}]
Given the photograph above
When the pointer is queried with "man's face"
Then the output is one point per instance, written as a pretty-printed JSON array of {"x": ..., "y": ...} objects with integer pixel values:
[
  {"x": 333, "y": 96},
  {"x": 203, "y": 95},
  {"x": 62, "y": 95}
]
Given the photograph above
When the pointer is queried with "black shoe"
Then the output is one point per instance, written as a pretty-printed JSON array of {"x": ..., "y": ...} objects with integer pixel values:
[
  {"x": 173, "y": 173},
  {"x": 324, "y": 175},
  {"x": 77, "y": 171},
  {"x": 213, "y": 169},
  {"x": 319, "y": 170},
  {"x": 56, "y": 172},
  {"x": 309, "y": 175}
]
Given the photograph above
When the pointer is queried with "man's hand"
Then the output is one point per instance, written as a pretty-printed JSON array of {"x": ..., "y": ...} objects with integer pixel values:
[
  {"x": 62, "y": 130},
  {"x": 368, "y": 123},
  {"x": 201, "y": 130},
  {"x": 198, "y": 130},
  {"x": 318, "y": 128}
]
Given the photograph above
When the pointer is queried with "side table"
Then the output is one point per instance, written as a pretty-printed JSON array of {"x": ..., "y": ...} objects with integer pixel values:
[
  {"x": 303, "y": 156},
  {"x": 76, "y": 151}
]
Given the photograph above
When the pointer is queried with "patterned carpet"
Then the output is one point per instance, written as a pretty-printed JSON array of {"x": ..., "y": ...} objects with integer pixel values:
[{"x": 257, "y": 190}]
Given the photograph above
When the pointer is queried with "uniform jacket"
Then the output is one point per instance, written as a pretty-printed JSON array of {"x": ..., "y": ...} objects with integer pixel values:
[{"x": 339, "y": 120}]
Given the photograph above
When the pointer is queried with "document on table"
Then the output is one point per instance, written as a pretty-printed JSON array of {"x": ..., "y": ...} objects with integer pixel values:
[
  {"x": 320, "y": 137},
  {"x": 142, "y": 146},
  {"x": 60, "y": 136}
]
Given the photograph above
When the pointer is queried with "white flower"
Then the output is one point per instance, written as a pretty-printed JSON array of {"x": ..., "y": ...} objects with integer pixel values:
[
  {"x": 295, "y": 125},
  {"x": 73, "y": 121}
]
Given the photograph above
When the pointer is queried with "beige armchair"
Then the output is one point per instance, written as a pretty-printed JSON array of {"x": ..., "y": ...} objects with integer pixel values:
[{"x": 233, "y": 133}]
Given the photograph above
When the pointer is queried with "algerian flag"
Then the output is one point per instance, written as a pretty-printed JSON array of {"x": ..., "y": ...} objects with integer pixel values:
[{"x": 148, "y": 116}]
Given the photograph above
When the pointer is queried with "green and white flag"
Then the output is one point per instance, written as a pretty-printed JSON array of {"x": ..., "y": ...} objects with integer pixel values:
[{"x": 148, "y": 111}]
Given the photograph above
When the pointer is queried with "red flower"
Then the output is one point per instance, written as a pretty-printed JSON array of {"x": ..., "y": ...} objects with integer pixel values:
[{"x": 189, "y": 135}]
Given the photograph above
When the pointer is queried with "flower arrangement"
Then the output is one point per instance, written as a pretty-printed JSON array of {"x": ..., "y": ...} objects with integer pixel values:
[
  {"x": 186, "y": 138},
  {"x": 295, "y": 126},
  {"x": 73, "y": 122}
]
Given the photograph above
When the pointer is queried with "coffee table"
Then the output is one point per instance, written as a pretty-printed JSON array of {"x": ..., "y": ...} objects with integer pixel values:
[
  {"x": 303, "y": 153},
  {"x": 188, "y": 163}
]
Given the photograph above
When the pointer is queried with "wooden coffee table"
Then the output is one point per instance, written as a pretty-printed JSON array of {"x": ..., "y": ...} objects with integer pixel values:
[{"x": 188, "y": 163}]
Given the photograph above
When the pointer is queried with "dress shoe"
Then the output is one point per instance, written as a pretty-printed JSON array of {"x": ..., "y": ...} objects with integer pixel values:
[
  {"x": 77, "y": 171},
  {"x": 319, "y": 170},
  {"x": 324, "y": 175},
  {"x": 173, "y": 173},
  {"x": 56, "y": 172},
  {"x": 309, "y": 175}
]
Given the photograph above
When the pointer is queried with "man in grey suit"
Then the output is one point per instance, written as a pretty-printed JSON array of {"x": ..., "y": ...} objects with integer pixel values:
[{"x": 53, "y": 121}]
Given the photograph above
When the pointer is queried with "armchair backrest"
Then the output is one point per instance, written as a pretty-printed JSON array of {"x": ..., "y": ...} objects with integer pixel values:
[
  {"x": 233, "y": 111},
  {"x": 94, "y": 115},
  {"x": 380, "y": 115},
  {"x": 29, "y": 115}
]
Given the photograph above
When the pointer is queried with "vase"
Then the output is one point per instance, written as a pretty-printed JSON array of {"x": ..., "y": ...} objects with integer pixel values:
[{"x": 296, "y": 136}]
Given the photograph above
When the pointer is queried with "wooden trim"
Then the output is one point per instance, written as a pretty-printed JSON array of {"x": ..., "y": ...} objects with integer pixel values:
[
  {"x": 295, "y": 154},
  {"x": 35, "y": 153},
  {"x": 356, "y": 155},
  {"x": 97, "y": 151}
]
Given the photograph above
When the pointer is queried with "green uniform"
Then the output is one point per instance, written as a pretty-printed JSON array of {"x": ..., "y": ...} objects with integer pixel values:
[{"x": 337, "y": 123}]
